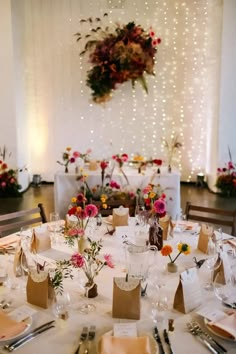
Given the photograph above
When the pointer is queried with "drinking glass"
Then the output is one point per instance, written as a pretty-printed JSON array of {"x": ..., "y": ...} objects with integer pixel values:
[
  {"x": 54, "y": 226},
  {"x": 223, "y": 288},
  {"x": 213, "y": 262},
  {"x": 61, "y": 305},
  {"x": 86, "y": 307}
]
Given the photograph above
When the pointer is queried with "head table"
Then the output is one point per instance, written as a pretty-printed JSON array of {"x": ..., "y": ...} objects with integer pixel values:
[
  {"x": 64, "y": 338},
  {"x": 66, "y": 186}
]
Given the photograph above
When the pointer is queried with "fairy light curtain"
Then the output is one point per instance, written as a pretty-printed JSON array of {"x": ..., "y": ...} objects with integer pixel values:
[{"x": 182, "y": 96}]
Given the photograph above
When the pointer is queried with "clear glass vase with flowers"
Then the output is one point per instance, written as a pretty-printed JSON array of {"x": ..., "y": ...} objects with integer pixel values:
[
  {"x": 77, "y": 221},
  {"x": 157, "y": 211}
]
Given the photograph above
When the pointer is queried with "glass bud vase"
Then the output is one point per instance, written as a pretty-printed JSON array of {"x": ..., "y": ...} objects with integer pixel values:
[
  {"x": 82, "y": 244},
  {"x": 172, "y": 267},
  {"x": 91, "y": 290},
  {"x": 156, "y": 235}
]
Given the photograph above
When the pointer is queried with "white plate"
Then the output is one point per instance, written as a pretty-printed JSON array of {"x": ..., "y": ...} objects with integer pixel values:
[
  {"x": 206, "y": 321},
  {"x": 28, "y": 322},
  {"x": 153, "y": 344}
]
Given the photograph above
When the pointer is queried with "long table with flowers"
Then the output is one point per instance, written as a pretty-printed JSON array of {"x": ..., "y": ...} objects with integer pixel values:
[
  {"x": 66, "y": 185},
  {"x": 64, "y": 338}
]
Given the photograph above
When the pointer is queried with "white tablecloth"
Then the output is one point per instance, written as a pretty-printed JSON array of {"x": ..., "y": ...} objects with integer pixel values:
[
  {"x": 66, "y": 186},
  {"x": 65, "y": 337}
]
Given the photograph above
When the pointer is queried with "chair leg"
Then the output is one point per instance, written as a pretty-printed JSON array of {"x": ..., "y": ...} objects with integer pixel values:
[{"x": 42, "y": 213}]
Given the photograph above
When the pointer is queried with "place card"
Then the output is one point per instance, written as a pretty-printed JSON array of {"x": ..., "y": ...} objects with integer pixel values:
[
  {"x": 188, "y": 295},
  {"x": 125, "y": 330},
  {"x": 211, "y": 314},
  {"x": 21, "y": 313},
  {"x": 224, "y": 269}
]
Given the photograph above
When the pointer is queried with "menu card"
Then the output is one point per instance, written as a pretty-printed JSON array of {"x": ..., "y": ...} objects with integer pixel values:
[
  {"x": 188, "y": 295},
  {"x": 125, "y": 330}
]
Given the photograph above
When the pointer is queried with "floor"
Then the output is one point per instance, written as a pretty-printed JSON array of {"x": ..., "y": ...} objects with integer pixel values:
[{"x": 45, "y": 194}]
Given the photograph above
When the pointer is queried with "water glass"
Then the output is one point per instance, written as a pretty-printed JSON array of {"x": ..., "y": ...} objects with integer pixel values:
[{"x": 54, "y": 226}]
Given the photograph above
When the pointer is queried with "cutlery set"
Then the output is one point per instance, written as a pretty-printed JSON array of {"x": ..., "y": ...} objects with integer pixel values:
[
  {"x": 29, "y": 336},
  {"x": 215, "y": 347},
  {"x": 87, "y": 336},
  {"x": 159, "y": 342}
]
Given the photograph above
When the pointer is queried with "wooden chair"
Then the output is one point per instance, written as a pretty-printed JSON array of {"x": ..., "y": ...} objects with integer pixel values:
[
  {"x": 12, "y": 222},
  {"x": 212, "y": 216}
]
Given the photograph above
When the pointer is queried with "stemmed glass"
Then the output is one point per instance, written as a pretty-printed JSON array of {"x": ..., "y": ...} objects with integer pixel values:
[
  {"x": 223, "y": 288},
  {"x": 213, "y": 262},
  {"x": 54, "y": 225},
  {"x": 86, "y": 307}
]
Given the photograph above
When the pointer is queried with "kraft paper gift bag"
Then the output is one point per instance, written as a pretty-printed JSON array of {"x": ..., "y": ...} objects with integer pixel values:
[
  {"x": 120, "y": 216},
  {"x": 41, "y": 240},
  {"x": 188, "y": 293},
  {"x": 165, "y": 223},
  {"x": 126, "y": 298},
  {"x": 93, "y": 165},
  {"x": 39, "y": 290},
  {"x": 206, "y": 233}
]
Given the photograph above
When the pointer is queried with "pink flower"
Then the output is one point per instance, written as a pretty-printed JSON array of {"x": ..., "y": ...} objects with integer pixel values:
[
  {"x": 12, "y": 180},
  {"x": 81, "y": 198},
  {"x": 76, "y": 232},
  {"x": 72, "y": 160},
  {"x": 131, "y": 194},
  {"x": 3, "y": 184},
  {"x": 76, "y": 154},
  {"x": 154, "y": 43},
  {"x": 152, "y": 34},
  {"x": 147, "y": 189},
  {"x": 159, "y": 206},
  {"x": 91, "y": 210},
  {"x": 230, "y": 165},
  {"x": 88, "y": 151},
  {"x": 81, "y": 214},
  {"x": 113, "y": 184},
  {"x": 108, "y": 260},
  {"x": 77, "y": 260}
]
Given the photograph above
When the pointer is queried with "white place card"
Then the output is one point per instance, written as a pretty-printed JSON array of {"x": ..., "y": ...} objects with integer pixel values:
[
  {"x": 212, "y": 314},
  {"x": 125, "y": 330},
  {"x": 21, "y": 313},
  {"x": 191, "y": 289}
]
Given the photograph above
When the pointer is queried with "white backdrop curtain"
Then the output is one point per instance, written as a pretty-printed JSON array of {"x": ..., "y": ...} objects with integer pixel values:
[{"x": 54, "y": 107}]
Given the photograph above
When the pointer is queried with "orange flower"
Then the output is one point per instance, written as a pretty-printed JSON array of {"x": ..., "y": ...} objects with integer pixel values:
[{"x": 166, "y": 250}]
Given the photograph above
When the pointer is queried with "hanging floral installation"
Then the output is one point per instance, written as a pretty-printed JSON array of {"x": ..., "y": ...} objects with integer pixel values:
[{"x": 126, "y": 52}]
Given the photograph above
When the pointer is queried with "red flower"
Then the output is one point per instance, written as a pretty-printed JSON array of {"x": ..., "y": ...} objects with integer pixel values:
[
  {"x": 158, "y": 40},
  {"x": 152, "y": 34},
  {"x": 157, "y": 162},
  {"x": 77, "y": 260},
  {"x": 124, "y": 157},
  {"x": 163, "y": 196},
  {"x": 72, "y": 211},
  {"x": 72, "y": 160},
  {"x": 4, "y": 166},
  {"x": 80, "y": 198},
  {"x": 103, "y": 165}
]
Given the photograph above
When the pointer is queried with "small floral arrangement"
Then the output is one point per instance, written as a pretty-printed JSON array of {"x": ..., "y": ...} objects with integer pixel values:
[
  {"x": 226, "y": 178},
  {"x": 90, "y": 262},
  {"x": 81, "y": 214},
  {"x": 68, "y": 158},
  {"x": 119, "y": 55},
  {"x": 120, "y": 159},
  {"x": 182, "y": 248},
  {"x": 83, "y": 156},
  {"x": 103, "y": 165},
  {"x": 9, "y": 186},
  {"x": 151, "y": 193},
  {"x": 171, "y": 147}
]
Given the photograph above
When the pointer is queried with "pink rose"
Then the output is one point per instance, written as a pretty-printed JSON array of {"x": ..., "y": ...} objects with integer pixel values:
[
  {"x": 108, "y": 260},
  {"x": 77, "y": 260}
]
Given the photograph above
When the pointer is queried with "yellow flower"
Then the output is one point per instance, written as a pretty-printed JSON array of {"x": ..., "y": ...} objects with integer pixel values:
[
  {"x": 68, "y": 148},
  {"x": 184, "y": 248},
  {"x": 104, "y": 206},
  {"x": 138, "y": 158},
  {"x": 73, "y": 200},
  {"x": 152, "y": 195}
]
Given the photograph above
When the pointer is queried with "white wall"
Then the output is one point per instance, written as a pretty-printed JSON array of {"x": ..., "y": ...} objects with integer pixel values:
[
  {"x": 227, "y": 125},
  {"x": 7, "y": 93}
]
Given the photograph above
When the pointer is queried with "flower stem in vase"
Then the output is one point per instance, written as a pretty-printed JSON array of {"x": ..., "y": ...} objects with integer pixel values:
[{"x": 91, "y": 290}]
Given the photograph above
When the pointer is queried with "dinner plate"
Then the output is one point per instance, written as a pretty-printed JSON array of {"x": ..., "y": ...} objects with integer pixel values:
[
  {"x": 206, "y": 321},
  {"x": 153, "y": 344},
  {"x": 28, "y": 322}
]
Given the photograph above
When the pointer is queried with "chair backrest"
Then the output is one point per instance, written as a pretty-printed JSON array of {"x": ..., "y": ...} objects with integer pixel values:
[
  {"x": 14, "y": 221},
  {"x": 212, "y": 216}
]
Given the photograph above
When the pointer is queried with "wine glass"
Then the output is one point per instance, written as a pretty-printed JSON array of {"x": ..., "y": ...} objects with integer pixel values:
[
  {"x": 223, "y": 288},
  {"x": 54, "y": 225},
  {"x": 61, "y": 306},
  {"x": 213, "y": 262}
]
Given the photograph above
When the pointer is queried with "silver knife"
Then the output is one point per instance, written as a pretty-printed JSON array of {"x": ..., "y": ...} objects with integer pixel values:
[
  {"x": 36, "y": 330},
  {"x": 167, "y": 340},
  {"x": 28, "y": 338},
  {"x": 91, "y": 336},
  {"x": 158, "y": 340},
  {"x": 82, "y": 339}
]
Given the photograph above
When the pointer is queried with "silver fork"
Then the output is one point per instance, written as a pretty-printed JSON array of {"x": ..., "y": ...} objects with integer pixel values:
[
  {"x": 82, "y": 339},
  {"x": 202, "y": 339},
  {"x": 91, "y": 336}
]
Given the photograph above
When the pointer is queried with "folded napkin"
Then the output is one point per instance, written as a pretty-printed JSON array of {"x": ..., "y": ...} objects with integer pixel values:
[
  {"x": 8, "y": 240},
  {"x": 125, "y": 345},
  {"x": 10, "y": 328},
  {"x": 226, "y": 327}
]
